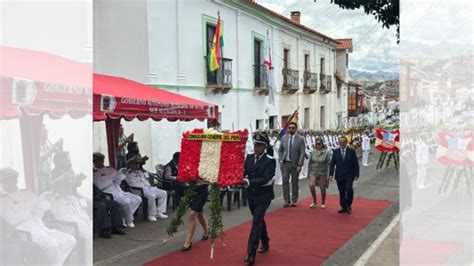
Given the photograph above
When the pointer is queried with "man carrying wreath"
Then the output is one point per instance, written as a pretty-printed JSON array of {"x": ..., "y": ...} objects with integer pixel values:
[{"x": 258, "y": 176}]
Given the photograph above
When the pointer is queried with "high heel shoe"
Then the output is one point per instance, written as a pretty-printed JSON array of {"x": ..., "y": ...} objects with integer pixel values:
[{"x": 184, "y": 249}]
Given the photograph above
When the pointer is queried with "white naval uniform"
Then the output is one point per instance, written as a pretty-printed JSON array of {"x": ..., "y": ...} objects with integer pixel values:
[
  {"x": 335, "y": 143},
  {"x": 308, "y": 150},
  {"x": 69, "y": 208},
  {"x": 365, "y": 150},
  {"x": 24, "y": 212},
  {"x": 276, "y": 145},
  {"x": 108, "y": 180},
  {"x": 422, "y": 160},
  {"x": 138, "y": 179}
]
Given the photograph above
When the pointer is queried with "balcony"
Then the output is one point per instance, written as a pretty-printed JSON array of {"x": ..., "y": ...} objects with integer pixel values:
[
  {"x": 219, "y": 81},
  {"x": 326, "y": 83},
  {"x": 310, "y": 84},
  {"x": 290, "y": 81},
  {"x": 260, "y": 80}
]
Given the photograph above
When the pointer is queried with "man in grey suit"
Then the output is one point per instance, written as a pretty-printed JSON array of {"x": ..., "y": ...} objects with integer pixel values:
[{"x": 291, "y": 155}]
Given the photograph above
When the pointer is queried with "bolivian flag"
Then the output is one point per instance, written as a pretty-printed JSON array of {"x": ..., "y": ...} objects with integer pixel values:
[{"x": 217, "y": 44}]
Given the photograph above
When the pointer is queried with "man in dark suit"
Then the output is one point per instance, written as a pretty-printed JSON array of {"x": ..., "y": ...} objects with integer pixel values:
[
  {"x": 108, "y": 218},
  {"x": 259, "y": 173},
  {"x": 344, "y": 159},
  {"x": 291, "y": 155}
]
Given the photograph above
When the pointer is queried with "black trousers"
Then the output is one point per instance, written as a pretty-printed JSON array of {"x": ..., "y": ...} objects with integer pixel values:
[
  {"x": 107, "y": 214},
  {"x": 346, "y": 193},
  {"x": 259, "y": 228}
]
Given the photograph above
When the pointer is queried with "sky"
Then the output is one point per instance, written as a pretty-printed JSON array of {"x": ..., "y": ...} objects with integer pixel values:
[{"x": 374, "y": 48}]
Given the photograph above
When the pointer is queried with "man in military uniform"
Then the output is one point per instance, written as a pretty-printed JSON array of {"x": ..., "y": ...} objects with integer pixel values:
[
  {"x": 24, "y": 211},
  {"x": 108, "y": 180},
  {"x": 259, "y": 173},
  {"x": 67, "y": 206},
  {"x": 137, "y": 178}
]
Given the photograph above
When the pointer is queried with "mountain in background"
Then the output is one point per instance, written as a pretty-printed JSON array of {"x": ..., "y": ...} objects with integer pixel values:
[{"x": 379, "y": 76}]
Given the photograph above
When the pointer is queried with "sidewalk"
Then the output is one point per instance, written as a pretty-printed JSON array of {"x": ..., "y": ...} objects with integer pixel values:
[
  {"x": 385, "y": 250},
  {"x": 388, "y": 253}
]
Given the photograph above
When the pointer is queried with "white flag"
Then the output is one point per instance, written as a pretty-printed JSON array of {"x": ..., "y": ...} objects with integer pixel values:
[{"x": 269, "y": 68}]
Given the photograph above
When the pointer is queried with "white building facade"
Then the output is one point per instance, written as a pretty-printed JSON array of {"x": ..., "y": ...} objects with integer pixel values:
[{"x": 165, "y": 44}]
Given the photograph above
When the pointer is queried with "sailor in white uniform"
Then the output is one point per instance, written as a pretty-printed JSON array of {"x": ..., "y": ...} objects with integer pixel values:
[
  {"x": 365, "y": 149},
  {"x": 24, "y": 211},
  {"x": 68, "y": 206},
  {"x": 108, "y": 180},
  {"x": 137, "y": 178}
]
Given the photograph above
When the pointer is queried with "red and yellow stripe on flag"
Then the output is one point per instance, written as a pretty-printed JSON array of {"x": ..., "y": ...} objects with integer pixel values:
[
  {"x": 217, "y": 44},
  {"x": 214, "y": 157}
]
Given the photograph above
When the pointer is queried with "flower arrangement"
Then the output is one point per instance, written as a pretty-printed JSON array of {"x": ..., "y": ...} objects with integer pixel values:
[
  {"x": 218, "y": 161},
  {"x": 389, "y": 145},
  {"x": 215, "y": 158}
]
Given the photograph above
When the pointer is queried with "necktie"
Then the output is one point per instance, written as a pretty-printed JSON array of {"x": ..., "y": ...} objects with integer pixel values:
[
  {"x": 291, "y": 144},
  {"x": 257, "y": 158},
  {"x": 343, "y": 154}
]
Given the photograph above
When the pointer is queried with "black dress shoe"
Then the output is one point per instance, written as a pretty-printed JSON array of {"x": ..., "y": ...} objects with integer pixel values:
[
  {"x": 349, "y": 210},
  {"x": 293, "y": 205},
  {"x": 184, "y": 249},
  {"x": 118, "y": 231},
  {"x": 341, "y": 211},
  {"x": 263, "y": 248},
  {"x": 250, "y": 260},
  {"x": 105, "y": 234}
]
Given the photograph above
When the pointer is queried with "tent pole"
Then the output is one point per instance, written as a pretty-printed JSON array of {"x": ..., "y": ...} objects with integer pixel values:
[
  {"x": 30, "y": 140},
  {"x": 112, "y": 126}
]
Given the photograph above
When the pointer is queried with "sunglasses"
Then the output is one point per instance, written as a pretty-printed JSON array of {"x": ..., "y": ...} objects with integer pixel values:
[{"x": 319, "y": 144}]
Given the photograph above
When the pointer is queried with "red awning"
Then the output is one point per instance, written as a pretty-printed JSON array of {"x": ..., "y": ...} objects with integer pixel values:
[
  {"x": 36, "y": 83},
  {"x": 116, "y": 97}
]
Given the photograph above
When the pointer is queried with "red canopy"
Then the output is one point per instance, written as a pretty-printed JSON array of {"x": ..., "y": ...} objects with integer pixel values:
[
  {"x": 35, "y": 83},
  {"x": 116, "y": 97}
]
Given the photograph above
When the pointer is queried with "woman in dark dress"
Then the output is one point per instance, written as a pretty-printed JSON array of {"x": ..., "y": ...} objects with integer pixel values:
[{"x": 197, "y": 213}]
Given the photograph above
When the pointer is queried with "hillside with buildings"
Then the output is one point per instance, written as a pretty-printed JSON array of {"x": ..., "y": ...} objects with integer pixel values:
[{"x": 389, "y": 88}]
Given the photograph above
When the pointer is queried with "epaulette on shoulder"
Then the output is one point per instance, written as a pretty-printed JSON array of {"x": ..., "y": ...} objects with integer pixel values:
[{"x": 271, "y": 157}]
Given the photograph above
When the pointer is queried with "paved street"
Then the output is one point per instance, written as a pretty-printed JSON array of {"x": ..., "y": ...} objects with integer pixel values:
[{"x": 143, "y": 243}]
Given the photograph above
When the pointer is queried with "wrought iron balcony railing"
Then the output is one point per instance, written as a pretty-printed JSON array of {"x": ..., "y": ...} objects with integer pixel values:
[
  {"x": 221, "y": 77},
  {"x": 290, "y": 80},
  {"x": 310, "y": 84},
  {"x": 326, "y": 83},
  {"x": 260, "y": 76}
]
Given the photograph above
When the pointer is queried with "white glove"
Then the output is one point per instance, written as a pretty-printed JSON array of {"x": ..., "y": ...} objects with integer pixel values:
[{"x": 246, "y": 182}]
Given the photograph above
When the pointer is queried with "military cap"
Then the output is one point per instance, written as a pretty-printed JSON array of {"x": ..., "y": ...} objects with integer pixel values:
[
  {"x": 7, "y": 173},
  {"x": 261, "y": 138},
  {"x": 97, "y": 156}
]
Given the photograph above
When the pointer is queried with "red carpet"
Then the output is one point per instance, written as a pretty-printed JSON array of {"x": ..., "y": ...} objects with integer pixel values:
[{"x": 298, "y": 236}]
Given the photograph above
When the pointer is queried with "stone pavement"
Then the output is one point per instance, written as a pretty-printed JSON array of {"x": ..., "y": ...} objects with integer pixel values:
[{"x": 143, "y": 243}]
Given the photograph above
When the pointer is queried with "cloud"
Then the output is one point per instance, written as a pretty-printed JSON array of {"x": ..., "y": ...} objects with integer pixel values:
[{"x": 375, "y": 48}]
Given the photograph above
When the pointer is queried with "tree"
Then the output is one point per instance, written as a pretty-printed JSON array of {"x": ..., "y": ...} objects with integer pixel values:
[{"x": 385, "y": 11}]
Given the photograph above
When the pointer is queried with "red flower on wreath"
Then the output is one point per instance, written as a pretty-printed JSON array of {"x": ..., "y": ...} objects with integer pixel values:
[
  {"x": 231, "y": 169},
  {"x": 189, "y": 158}
]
